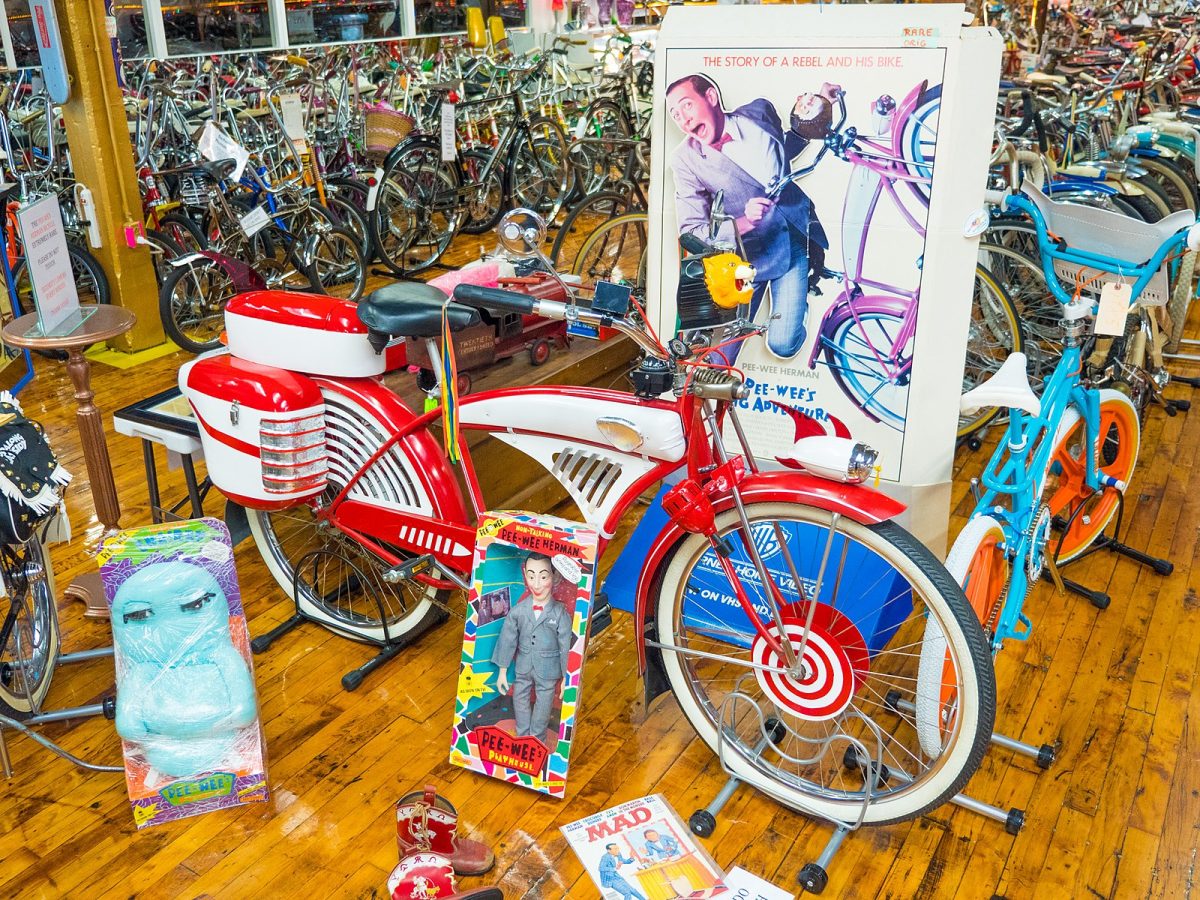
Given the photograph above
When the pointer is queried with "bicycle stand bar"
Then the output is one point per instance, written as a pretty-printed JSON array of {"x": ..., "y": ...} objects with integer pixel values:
[
  {"x": 1186, "y": 379},
  {"x": 85, "y": 655},
  {"x": 1160, "y": 566},
  {"x": 1044, "y": 755},
  {"x": 61, "y": 715},
  {"x": 1099, "y": 599},
  {"x": 1012, "y": 819},
  {"x": 704, "y": 821},
  {"x": 263, "y": 641},
  {"x": 832, "y": 845},
  {"x": 5, "y": 762}
]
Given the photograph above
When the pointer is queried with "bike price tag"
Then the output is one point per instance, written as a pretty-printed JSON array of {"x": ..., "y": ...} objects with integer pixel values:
[
  {"x": 448, "y": 133},
  {"x": 1114, "y": 308},
  {"x": 292, "y": 109},
  {"x": 254, "y": 221}
]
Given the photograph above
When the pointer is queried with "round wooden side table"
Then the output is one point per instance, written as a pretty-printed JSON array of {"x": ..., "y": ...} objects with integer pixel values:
[{"x": 105, "y": 323}]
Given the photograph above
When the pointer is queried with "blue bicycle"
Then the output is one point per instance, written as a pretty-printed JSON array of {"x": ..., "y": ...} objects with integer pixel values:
[{"x": 1057, "y": 477}]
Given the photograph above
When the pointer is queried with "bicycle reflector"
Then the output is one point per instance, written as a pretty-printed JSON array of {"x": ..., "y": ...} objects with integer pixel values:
[{"x": 293, "y": 454}]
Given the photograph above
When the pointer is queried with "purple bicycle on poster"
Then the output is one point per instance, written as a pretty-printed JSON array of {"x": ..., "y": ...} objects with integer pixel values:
[{"x": 867, "y": 334}]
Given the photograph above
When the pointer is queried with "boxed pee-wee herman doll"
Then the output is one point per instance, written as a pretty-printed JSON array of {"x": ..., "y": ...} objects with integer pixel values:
[
  {"x": 523, "y": 643},
  {"x": 187, "y": 712}
]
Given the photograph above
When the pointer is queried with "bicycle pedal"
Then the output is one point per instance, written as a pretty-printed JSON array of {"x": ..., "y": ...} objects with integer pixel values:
[{"x": 409, "y": 569}]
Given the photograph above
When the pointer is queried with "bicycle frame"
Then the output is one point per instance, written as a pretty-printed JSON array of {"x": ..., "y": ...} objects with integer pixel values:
[{"x": 1015, "y": 476}]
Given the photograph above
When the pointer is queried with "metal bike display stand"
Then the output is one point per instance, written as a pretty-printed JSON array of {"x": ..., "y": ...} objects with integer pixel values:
[
  {"x": 814, "y": 875},
  {"x": 389, "y": 647}
]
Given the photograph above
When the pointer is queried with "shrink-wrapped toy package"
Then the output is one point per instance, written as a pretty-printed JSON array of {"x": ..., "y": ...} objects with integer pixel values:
[
  {"x": 187, "y": 712},
  {"x": 523, "y": 645}
]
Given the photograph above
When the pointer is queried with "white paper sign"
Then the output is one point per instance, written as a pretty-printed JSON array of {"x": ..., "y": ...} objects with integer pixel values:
[
  {"x": 254, "y": 221},
  {"x": 743, "y": 885},
  {"x": 448, "y": 133},
  {"x": 1114, "y": 308},
  {"x": 214, "y": 144},
  {"x": 48, "y": 262},
  {"x": 292, "y": 109}
]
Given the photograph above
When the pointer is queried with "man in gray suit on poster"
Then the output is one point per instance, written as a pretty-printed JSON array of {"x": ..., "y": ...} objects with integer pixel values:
[
  {"x": 537, "y": 635},
  {"x": 744, "y": 154}
]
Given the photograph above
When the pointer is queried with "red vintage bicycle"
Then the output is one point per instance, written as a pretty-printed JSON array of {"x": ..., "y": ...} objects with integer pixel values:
[{"x": 784, "y": 608}]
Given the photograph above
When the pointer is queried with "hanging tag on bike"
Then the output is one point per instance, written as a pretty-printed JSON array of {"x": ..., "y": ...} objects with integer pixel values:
[
  {"x": 448, "y": 133},
  {"x": 1114, "y": 308},
  {"x": 254, "y": 221},
  {"x": 291, "y": 108}
]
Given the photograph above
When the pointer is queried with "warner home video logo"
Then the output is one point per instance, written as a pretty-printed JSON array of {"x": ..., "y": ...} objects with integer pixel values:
[{"x": 710, "y": 592}]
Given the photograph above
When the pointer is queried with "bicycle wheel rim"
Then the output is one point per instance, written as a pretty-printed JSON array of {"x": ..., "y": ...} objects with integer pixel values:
[
  {"x": 30, "y": 651},
  {"x": 195, "y": 305},
  {"x": 862, "y": 562},
  {"x": 614, "y": 251},
  {"x": 1084, "y": 513},
  {"x": 852, "y": 354}
]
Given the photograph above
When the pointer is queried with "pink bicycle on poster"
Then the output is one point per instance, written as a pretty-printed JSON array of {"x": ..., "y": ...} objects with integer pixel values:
[
  {"x": 866, "y": 335},
  {"x": 780, "y": 607}
]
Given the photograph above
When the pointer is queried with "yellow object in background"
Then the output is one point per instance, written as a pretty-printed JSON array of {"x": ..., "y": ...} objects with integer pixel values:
[
  {"x": 476, "y": 35},
  {"x": 497, "y": 31}
]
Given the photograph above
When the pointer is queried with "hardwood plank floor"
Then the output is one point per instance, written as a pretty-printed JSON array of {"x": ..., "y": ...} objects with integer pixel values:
[{"x": 1115, "y": 818}]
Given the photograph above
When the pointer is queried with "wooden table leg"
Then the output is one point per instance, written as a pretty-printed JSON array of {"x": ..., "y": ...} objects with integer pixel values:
[{"x": 95, "y": 448}]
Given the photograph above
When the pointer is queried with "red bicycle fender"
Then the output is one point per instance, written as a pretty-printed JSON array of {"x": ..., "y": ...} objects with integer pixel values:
[{"x": 855, "y": 501}]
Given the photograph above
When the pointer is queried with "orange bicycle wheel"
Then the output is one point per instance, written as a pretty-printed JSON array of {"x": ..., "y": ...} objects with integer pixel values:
[{"x": 1086, "y": 513}]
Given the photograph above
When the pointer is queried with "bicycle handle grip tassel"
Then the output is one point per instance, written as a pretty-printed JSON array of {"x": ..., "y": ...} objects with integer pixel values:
[{"x": 495, "y": 299}]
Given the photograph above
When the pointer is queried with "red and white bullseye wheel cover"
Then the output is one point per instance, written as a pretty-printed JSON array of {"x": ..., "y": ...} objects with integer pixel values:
[{"x": 835, "y": 662}]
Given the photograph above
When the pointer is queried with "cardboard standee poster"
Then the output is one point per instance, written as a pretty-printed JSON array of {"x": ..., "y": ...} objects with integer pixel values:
[
  {"x": 523, "y": 645},
  {"x": 845, "y": 147}
]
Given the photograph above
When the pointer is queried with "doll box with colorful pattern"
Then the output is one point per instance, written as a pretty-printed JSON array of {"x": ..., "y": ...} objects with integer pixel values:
[
  {"x": 187, "y": 711},
  {"x": 523, "y": 646}
]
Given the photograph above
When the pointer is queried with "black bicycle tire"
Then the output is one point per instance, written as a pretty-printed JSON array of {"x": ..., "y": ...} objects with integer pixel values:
[{"x": 166, "y": 311}]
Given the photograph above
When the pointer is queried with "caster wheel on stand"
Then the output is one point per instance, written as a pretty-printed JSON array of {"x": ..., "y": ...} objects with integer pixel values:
[
  {"x": 1015, "y": 821},
  {"x": 813, "y": 878},
  {"x": 702, "y": 823},
  {"x": 1046, "y": 756}
]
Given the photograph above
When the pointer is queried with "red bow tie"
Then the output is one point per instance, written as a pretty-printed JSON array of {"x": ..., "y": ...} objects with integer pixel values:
[
  {"x": 721, "y": 142},
  {"x": 537, "y": 607}
]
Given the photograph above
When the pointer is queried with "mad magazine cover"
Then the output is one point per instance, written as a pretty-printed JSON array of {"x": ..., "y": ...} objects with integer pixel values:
[{"x": 641, "y": 850}]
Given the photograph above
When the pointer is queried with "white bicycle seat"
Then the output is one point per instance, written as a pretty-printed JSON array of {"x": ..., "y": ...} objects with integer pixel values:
[
  {"x": 1008, "y": 387},
  {"x": 1104, "y": 231}
]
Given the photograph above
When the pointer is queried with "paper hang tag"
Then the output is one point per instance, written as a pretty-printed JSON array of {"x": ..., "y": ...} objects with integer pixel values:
[
  {"x": 448, "y": 133},
  {"x": 744, "y": 885},
  {"x": 292, "y": 111},
  {"x": 254, "y": 221},
  {"x": 1114, "y": 308}
]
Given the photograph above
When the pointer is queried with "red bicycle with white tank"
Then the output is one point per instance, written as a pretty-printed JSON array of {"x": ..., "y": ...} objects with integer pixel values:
[{"x": 781, "y": 606}]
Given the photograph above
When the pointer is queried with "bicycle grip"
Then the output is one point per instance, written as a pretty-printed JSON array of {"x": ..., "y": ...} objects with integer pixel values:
[
  {"x": 494, "y": 299},
  {"x": 693, "y": 244}
]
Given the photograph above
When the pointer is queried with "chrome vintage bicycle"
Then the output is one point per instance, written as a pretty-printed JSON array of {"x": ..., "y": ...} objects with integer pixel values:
[{"x": 780, "y": 607}]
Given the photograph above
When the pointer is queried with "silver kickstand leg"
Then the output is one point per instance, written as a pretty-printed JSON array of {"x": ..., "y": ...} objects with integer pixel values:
[
  {"x": 1044, "y": 755},
  {"x": 5, "y": 763}
]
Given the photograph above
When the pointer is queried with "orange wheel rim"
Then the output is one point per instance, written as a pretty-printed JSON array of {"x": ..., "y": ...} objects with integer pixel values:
[{"x": 1072, "y": 501}]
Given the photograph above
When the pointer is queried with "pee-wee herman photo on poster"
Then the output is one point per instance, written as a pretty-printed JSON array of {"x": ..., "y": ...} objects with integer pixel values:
[{"x": 815, "y": 167}]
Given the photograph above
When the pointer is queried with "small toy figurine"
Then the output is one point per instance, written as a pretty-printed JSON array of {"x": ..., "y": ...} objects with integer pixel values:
[
  {"x": 184, "y": 692},
  {"x": 537, "y": 635}
]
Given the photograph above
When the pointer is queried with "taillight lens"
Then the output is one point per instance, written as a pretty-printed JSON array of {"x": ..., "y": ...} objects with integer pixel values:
[{"x": 293, "y": 454}]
